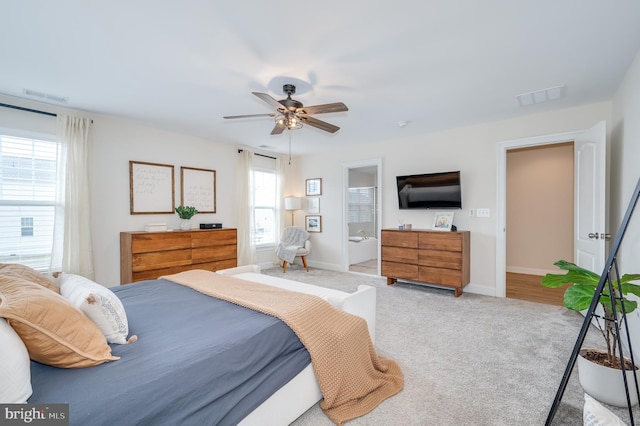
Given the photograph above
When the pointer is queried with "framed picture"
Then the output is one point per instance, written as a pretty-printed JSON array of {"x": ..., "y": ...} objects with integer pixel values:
[
  {"x": 442, "y": 221},
  {"x": 313, "y": 186},
  {"x": 198, "y": 189},
  {"x": 151, "y": 188},
  {"x": 313, "y": 223},
  {"x": 313, "y": 205}
]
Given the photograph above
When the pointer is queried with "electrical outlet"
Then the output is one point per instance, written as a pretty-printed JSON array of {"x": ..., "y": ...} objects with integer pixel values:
[{"x": 483, "y": 212}]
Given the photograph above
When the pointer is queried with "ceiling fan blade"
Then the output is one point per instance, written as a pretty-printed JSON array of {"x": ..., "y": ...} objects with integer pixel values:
[
  {"x": 322, "y": 125},
  {"x": 273, "y": 114},
  {"x": 279, "y": 128},
  {"x": 322, "y": 109},
  {"x": 268, "y": 99}
]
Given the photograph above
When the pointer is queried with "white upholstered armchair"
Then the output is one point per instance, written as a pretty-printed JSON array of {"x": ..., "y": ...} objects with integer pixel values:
[{"x": 294, "y": 242}]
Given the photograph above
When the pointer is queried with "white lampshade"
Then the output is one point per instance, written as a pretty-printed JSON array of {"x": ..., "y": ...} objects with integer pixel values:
[{"x": 293, "y": 203}]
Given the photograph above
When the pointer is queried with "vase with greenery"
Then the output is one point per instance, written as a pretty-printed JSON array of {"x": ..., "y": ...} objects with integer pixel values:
[
  {"x": 578, "y": 297},
  {"x": 186, "y": 213}
]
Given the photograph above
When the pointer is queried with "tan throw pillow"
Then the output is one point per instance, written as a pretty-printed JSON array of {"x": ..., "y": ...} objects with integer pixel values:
[
  {"x": 29, "y": 274},
  {"x": 54, "y": 331}
]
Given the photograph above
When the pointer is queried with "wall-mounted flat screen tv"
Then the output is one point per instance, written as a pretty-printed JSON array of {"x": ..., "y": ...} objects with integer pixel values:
[{"x": 429, "y": 190}]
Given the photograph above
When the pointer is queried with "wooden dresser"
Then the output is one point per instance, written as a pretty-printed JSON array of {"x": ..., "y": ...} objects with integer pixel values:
[
  {"x": 425, "y": 256},
  {"x": 149, "y": 255}
]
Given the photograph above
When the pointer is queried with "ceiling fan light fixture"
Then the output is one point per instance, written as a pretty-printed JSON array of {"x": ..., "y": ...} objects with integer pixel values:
[
  {"x": 290, "y": 122},
  {"x": 290, "y": 113}
]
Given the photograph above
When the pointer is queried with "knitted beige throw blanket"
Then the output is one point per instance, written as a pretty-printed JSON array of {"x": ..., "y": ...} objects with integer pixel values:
[{"x": 353, "y": 378}]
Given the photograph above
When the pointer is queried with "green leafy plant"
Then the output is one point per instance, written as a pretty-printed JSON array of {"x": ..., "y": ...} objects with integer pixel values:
[
  {"x": 579, "y": 295},
  {"x": 186, "y": 212}
]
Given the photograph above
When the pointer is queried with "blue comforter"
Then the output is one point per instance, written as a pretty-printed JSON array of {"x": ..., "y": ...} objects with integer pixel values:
[{"x": 197, "y": 361}]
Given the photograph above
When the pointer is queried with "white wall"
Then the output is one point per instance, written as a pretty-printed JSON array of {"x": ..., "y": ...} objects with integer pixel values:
[
  {"x": 625, "y": 172},
  {"x": 539, "y": 204},
  {"x": 625, "y": 165},
  {"x": 472, "y": 150}
]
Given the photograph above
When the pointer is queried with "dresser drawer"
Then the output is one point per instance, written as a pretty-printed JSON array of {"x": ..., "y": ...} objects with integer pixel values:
[
  {"x": 449, "y": 241},
  {"x": 161, "y": 259},
  {"x": 448, "y": 277},
  {"x": 210, "y": 254},
  {"x": 399, "y": 239},
  {"x": 440, "y": 259},
  {"x": 213, "y": 238},
  {"x": 399, "y": 270},
  {"x": 144, "y": 243},
  {"x": 398, "y": 254}
]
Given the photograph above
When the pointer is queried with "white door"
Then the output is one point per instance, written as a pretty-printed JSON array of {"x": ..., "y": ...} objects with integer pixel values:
[{"x": 589, "y": 198}]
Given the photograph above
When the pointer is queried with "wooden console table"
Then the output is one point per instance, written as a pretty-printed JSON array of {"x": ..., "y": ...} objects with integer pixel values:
[
  {"x": 427, "y": 257},
  {"x": 149, "y": 255}
]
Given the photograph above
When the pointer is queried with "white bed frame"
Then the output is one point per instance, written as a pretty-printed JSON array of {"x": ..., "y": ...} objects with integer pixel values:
[{"x": 303, "y": 392}]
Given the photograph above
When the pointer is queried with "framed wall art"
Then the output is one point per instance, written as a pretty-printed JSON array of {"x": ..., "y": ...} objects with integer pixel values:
[
  {"x": 151, "y": 188},
  {"x": 313, "y": 223},
  {"x": 313, "y": 204},
  {"x": 198, "y": 189},
  {"x": 442, "y": 221},
  {"x": 313, "y": 187}
]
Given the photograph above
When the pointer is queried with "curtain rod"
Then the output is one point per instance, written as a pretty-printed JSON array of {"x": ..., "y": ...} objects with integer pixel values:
[
  {"x": 51, "y": 114},
  {"x": 36, "y": 111},
  {"x": 261, "y": 155}
]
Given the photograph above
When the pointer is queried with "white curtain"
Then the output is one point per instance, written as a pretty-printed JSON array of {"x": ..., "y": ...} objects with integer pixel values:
[
  {"x": 280, "y": 211},
  {"x": 72, "y": 245},
  {"x": 244, "y": 209}
]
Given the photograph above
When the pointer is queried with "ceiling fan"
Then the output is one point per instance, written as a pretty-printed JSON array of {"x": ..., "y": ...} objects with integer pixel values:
[{"x": 291, "y": 114}]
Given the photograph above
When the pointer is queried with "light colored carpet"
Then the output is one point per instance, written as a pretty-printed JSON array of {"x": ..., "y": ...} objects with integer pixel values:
[{"x": 471, "y": 360}]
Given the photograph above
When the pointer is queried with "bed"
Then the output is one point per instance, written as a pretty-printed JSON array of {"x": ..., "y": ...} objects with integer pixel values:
[{"x": 179, "y": 371}]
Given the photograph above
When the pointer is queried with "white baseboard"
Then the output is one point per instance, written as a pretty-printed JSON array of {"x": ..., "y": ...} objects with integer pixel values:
[
  {"x": 480, "y": 289},
  {"x": 323, "y": 265}
]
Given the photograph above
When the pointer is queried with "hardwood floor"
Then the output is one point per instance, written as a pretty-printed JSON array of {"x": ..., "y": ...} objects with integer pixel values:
[{"x": 528, "y": 287}]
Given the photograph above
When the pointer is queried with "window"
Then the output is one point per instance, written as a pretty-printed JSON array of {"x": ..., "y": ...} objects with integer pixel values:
[
  {"x": 361, "y": 204},
  {"x": 264, "y": 204},
  {"x": 26, "y": 223},
  {"x": 27, "y": 200}
]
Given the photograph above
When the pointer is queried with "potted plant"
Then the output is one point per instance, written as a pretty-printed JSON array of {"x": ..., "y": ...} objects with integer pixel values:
[
  {"x": 186, "y": 213},
  {"x": 577, "y": 297}
]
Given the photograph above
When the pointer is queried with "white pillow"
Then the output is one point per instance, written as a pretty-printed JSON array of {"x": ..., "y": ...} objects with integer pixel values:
[
  {"x": 100, "y": 304},
  {"x": 595, "y": 414},
  {"x": 15, "y": 367}
]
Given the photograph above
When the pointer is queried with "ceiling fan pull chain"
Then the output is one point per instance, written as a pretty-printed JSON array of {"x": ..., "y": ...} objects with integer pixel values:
[{"x": 289, "y": 146}]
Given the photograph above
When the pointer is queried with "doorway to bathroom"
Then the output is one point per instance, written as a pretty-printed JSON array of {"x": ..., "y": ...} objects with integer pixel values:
[{"x": 362, "y": 216}]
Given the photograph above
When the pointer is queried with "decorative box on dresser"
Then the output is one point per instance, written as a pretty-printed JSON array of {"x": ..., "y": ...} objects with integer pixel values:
[
  {"x": 428, "y": 257},
  {"x": 149, "y": 255}
]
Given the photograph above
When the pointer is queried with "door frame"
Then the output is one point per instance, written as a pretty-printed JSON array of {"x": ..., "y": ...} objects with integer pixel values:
[
  {"x": 501, "y": 219},
  {"x": 377, "y": 162}
]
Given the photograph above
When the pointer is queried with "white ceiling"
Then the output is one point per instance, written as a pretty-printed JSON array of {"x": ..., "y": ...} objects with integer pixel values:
[{"x": 183, "y": 65}]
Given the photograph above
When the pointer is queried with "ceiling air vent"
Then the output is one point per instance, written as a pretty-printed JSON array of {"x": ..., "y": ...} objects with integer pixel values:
[
  {"x": 540, "y": 96},
  {"x": 45, "y": 96}
]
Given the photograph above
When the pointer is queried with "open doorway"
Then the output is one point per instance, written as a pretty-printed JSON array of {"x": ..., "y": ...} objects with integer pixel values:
[
  {"x": 362, "y": 218},
  {"x": 589, "y": 222},
  {"x": 540, "y": 218}
]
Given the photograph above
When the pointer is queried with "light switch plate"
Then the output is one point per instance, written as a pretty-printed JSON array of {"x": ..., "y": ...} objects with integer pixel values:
[{"x": 483, "y": 212}]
